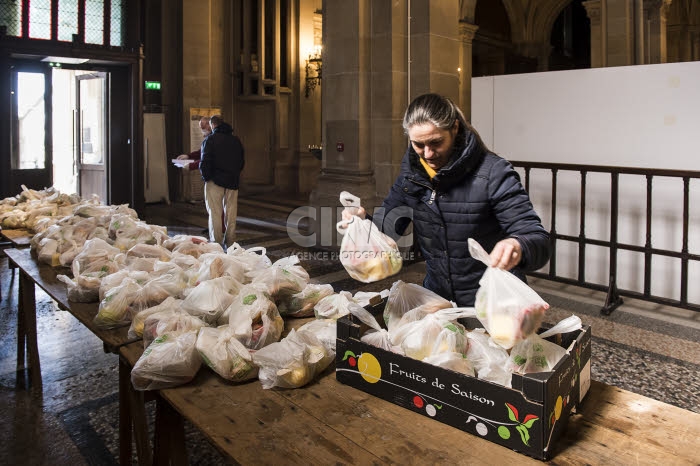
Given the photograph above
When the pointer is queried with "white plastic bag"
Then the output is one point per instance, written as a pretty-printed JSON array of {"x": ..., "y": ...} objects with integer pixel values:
[
  {"x": 292, "y": 362},
  {"x": 367, "y": 254},
  {"x": 404, "y": 297},
  {"x": 225, "y": 355},
  {"x": 508, "y": 308},
  {"x": 170, "y": 360},
  {"x": 302, "y": 304},
  {"x": 535, "y": 354}
]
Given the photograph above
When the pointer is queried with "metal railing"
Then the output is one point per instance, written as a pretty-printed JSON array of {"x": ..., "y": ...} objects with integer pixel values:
[{"x": 614, "y": 293}]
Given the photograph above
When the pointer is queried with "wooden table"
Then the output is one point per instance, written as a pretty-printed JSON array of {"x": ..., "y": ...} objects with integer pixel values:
[
  {"x": 19, "y": 238},
  {"x": 330, "y": 423},
  {"x": 34, "y": 273}
]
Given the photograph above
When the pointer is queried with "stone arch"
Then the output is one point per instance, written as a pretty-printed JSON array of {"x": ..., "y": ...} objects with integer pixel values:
[
  {"x": 490, "y": 12},
  {"x": 543, "y": 23}
]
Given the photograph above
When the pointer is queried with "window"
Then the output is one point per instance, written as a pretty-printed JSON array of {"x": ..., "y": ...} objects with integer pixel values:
[
  {"x": 30, "y": 121},
  {"x": 67, "y": 19},
  {"x": 97, "y": 23},
  {"x": 11, "y": 16}
]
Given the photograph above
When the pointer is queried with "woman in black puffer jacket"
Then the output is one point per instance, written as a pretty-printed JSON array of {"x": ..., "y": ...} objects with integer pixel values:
[{"x": 456, "y": 189}]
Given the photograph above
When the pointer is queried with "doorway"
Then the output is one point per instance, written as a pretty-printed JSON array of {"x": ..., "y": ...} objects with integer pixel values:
[{"x": 80, "y": 132}]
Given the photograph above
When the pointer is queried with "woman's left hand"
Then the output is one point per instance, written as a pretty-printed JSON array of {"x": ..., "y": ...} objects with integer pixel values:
[{"x": 506, "y": 254}]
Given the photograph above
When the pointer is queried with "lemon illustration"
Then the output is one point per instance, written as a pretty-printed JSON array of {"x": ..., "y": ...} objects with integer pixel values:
[
  {"x": 557, "y": 408},
  {"x": 369, "y": 368}
]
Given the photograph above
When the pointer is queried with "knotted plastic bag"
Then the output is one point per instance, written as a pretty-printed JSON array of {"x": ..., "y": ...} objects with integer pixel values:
[
  {"x": 535, "y": 354},
  {"x": 367, "y": 254},
  {"x": 508, "y": 308}
]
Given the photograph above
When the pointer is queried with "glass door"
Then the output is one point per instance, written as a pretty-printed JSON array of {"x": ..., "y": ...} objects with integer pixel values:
[
  {"x": 30, "y": 125},
  {"x": 91, "y": 134}
]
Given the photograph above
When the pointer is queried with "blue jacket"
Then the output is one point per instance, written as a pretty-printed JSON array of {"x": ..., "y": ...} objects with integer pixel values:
[
  {"x": 222, "y": 157},
  {"x": 477, "y": 195}
]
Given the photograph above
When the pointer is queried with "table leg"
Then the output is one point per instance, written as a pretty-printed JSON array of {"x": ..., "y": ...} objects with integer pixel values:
[
  {"x": 21, "y": 331},
  {"x": 169, "y": 436},
  {"x": 28, "y": 305},
  {"x": 137, "y": 408},
  {"x": 124, "y": 414}
]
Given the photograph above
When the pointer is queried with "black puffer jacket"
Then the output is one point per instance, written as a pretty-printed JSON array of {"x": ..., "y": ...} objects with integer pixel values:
[
  {"x": 222, "y": 157},
  {"x": 477, "y": 195}
]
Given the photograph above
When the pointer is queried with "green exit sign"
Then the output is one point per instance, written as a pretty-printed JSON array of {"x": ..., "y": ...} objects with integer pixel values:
[{"x": 153, "y": 85}]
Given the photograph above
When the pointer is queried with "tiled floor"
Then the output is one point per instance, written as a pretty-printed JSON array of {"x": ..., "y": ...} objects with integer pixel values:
[{"x": 644, "y": 348}]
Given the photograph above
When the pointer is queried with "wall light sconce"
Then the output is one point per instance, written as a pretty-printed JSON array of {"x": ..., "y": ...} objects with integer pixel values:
[{"x": 314, "y": 66}]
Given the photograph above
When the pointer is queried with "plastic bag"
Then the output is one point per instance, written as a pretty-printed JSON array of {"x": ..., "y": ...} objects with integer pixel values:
[
  {"x": 457, "y": 362},
  {"x": 170, "y": 360},
  {"x": 171, "y": 320},
  {"x": 326, "y": 330},
  {"x": 116, "y": 308},
  {"x": 254, "y": 318},
  {"x": 292, "y": 362},
  {"x": 435, "y": 333},
  {"x": 302, "y": 304},
  {"x": 508, "y": 308},
  {"x": 225, "y": 355},
  {"x": 209, "y": 299},
  {"x": 535, "y": 354},
  {"x": 367, "y": 254},
  {"x": 404, "y": 297},
  {"x": 489, "y": 359},
  {"x": 376, "y": 335},
  {"x": 139, "y": 320},
  {"x": 283, "y": 278},
  {"x": 334, "y": 306}
]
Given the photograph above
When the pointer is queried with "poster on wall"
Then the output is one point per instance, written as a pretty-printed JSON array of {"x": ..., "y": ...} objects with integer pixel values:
[{"x": 196, "y": 114}]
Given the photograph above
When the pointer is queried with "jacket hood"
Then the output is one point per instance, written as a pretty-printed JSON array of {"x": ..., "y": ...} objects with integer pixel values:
[{"x": 224, "y": 128}]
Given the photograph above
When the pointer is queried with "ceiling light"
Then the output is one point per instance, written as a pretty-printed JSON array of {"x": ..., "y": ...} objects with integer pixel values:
[{"x": 66, "y": 60}]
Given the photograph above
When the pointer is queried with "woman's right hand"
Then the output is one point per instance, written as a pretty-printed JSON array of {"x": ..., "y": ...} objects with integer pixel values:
[
  {"x": 347, "y": 216},
  {"x": 349, "y": 212}
]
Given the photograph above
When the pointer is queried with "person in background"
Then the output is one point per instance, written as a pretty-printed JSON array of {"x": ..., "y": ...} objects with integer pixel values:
[
  {"x": 457, "y": 189},
  {"x": 197, "y": 154},
  {"x": 221, "y": 165}
]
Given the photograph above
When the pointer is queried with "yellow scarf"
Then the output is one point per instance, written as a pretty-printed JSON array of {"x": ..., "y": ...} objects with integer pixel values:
[{"x": 431, "y": 172}]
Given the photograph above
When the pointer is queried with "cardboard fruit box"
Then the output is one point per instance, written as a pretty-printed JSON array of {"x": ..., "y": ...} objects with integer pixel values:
[{"x": 528, "y": 418}]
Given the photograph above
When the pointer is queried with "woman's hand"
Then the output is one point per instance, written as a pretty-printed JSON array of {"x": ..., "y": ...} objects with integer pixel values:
[
  {"x": 506, "y": 254},
  {"x": 350, "y": 212}
]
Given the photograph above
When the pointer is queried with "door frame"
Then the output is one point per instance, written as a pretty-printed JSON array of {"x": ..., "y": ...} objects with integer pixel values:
[
  {"x": 37, "y": 178},
  {"x": 105, "y": 136}
]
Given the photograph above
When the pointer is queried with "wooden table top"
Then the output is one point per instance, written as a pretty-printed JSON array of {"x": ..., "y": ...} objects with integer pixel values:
[
  {"x": 327, "y": 422},
  {"x": 19, "y": 238},
  {"x": 44, "y": 276}
]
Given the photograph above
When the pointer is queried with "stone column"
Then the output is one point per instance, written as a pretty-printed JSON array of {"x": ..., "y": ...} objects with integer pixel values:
[
  {"x": 435, "y": 48},
  {"x": 346, "y": 110},
  {"x": 655, "y": 12},
  {"x": 619, "y": 16},
  {"x": 466, "y": 37},
  {"x": 371, "y": 54},
  {"x": 598, "y": 52}
]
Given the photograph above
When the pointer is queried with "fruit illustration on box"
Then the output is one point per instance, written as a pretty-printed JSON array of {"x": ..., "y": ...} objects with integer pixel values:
[
  {"x": 430, "y": 409},
  {"x": 522, "y": 427},
  {"x": 367, "y": 365}
]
